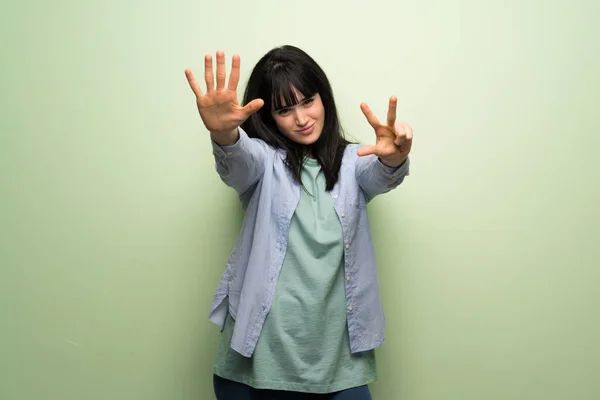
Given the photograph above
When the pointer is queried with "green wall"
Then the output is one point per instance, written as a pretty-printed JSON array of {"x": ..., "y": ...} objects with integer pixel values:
[{"x": 114, "y": 226}]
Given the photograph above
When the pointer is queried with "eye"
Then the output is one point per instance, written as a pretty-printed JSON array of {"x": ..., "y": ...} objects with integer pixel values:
[
  {"x": 283, "y": 111},
  {"x": 309, "y": 101}
]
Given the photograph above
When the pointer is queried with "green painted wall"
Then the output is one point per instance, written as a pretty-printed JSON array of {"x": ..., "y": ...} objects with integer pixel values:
[{"x": 114, "y": 226}]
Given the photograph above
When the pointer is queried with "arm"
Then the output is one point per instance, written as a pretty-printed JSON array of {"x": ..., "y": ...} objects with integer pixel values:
[
  {"x": 383, "y": 166},
  {"x": 239, "y": 159},
  {"x": 375, "y": 178},
  {"x": 240, "y": 162}
]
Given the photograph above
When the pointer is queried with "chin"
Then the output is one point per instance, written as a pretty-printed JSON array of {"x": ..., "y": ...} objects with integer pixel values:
[{"x": 307, "y": 140}]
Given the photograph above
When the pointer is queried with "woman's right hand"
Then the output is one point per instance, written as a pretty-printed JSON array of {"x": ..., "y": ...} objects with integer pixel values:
[{"x": 219, "y": 107}]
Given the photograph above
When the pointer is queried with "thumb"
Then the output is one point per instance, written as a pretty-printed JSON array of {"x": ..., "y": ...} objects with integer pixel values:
[
  {"x": 253, "y": 107},
  {"x": 367, "y": 150}
]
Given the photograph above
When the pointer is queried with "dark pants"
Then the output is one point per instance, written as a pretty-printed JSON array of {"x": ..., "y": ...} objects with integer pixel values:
[{"x": 230, "y": 390}]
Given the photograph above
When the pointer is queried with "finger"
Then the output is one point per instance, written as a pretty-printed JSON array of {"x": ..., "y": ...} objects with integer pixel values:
[
  {"x": 399, "y": 133},
  {"x": 234, "y": 76},
  {"x": 193, "y": 84},
  {"x": 391, "y": 115},
  {"x": 367, "y": 150},
  {"x": 371, "y": 118},
  {"x": 400, "y": 138},
  {"x": 252, "y": 107},
  {"x": 409, "y": 133},
  {"x": 208, "y": 73},
  {"x": 220, "y": 70}
]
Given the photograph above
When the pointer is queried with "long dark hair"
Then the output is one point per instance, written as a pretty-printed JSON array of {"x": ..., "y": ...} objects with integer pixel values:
[{"x": 273, "y": 79}]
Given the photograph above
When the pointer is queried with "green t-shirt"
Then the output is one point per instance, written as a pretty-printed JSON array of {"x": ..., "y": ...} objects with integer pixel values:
[{"x": 304, "y": 344}]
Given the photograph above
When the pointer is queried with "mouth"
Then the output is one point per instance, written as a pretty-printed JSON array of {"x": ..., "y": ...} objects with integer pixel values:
[{"x": 307, "y": 130}]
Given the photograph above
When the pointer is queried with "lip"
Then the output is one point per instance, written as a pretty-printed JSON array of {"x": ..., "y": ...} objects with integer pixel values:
[{"x": 306, "y": 131}]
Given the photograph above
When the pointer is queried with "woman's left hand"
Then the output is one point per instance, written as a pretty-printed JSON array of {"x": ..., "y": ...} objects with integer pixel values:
[{"x": 394, "y": 139}]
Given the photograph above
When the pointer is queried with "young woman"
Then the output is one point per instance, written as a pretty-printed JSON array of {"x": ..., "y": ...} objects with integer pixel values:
[{"x": 299, "y": 300}]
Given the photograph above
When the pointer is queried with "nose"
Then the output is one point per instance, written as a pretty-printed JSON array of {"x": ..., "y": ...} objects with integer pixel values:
[{"x": 301, "y": 117}]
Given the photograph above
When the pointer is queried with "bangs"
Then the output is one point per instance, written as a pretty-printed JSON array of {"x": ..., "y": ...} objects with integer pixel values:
[{"x": 283, "y": 82}]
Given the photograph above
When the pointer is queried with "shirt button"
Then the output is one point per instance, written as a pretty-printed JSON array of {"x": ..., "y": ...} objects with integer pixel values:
[
  {"x": 347, "y": 246},
  {"x": 348, "y": 277},
  {"x": 349, "y": 308},
  {"x": 335, "y": 196},
  {"x": 343, "y": 215}
]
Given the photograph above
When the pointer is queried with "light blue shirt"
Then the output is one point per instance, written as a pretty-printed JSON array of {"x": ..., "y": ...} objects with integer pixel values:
[{"x": 269, "y": 196}]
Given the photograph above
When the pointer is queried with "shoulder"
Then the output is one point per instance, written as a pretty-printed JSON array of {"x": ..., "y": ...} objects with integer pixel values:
[{"x": 350, "y": 153}]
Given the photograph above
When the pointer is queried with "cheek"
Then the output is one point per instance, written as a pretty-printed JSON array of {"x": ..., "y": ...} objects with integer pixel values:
[
  {"x": 282, "y": 124},
  {"x": 320, "y": 117},
  {"x": 318, "y": 113},
  {"x": 277, "y": 121}
]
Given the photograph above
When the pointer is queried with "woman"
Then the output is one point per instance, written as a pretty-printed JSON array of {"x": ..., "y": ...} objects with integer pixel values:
[{"x": 299, "y": 299}]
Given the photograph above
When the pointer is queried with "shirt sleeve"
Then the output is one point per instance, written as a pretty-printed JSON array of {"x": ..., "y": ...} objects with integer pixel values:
[
  {"x": 375, "y": 178},
  {"x": 242, "y": 164}
]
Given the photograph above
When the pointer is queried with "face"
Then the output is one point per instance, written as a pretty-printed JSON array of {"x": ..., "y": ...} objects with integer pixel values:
[{"x": 302, "y": 123}]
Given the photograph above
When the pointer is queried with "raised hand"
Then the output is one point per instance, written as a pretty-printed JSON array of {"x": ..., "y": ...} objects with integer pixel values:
[
  {"x": 219, "y": 108},
  {"x": 393, "y": 140}
]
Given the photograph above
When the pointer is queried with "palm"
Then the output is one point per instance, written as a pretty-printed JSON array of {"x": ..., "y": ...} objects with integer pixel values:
[
  {"x": 220, "y": 111},
  {"x": 219, "y": 107},
  {"x": 384, "y": 142}
]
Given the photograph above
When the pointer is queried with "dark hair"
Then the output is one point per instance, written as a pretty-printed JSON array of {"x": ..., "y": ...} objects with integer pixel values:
[{"x": 273, "y": 79}]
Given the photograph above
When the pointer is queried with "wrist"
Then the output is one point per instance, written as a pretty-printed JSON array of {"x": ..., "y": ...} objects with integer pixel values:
[
  {"x": 225, "y": 138},
  {"x": 393, "y": 162}
]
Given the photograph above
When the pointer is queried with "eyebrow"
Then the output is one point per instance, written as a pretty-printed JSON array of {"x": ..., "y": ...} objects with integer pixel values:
[{"x": 300, "y": 102}]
